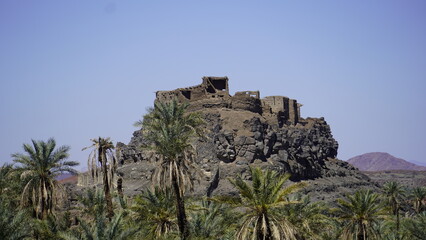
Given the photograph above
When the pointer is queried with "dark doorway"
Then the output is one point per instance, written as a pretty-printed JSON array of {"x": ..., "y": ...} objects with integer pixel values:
[
  {"x": 186, "y": 94},
  {"x": 219, "y": 84}
]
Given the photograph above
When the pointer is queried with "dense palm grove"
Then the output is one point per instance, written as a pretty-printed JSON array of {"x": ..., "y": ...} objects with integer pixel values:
[{"x": 34, "y": 205}]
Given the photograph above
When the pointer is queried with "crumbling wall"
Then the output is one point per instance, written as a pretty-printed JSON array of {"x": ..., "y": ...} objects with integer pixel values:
[
  {"x": 277, "y": 104},
  {"x": 211, "y": 87},
  {"x": 254, "y": 94},
  {"x": 248, "y": 101},
  {"x": 293, "y": 111},
  {"x": 182, "y": 94},
  {"x": 283, "y": 107},
  {"x": 216, "y": 86}
]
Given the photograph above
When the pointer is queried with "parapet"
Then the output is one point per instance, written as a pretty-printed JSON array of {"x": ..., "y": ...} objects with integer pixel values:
[
  {"x": 211, "y": 87},
  {"x": 214, "y": 91},
  {"x": 255, "y": 94}
]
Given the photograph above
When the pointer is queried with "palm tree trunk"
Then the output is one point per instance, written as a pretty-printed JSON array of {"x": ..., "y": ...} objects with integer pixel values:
[
  {"x": 102, "y": 158},
  {"x": 361, "y": 233},
  {"x": 180, "y": 206},
  {"x": 397, "y": 222},
  {"x": 43, "y": 202},
  {"x": 259, "y": 230},
  {"x": 43, "y": 212}
]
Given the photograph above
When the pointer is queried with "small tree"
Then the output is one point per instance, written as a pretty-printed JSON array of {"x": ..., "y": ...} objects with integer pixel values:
[
  {"x": 416, "y": 226},
  {"x": 156, "y": 211},
  {"x": 309, "y": 217},
  {"x": 211, "y": 220},
  {"x": 262, "y": 198},
  {"x": 102, "y": 160},
  {"x": 95, "y": 225},
  {"x": 394, "y": 194},
  {"x": 419, "y": 197},
  {"x": 360, "y": 214},
  {"x": 39, "y": 168},
  {"x": 13, "y": 224}
]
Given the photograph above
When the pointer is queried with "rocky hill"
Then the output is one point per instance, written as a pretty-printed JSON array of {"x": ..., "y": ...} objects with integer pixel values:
[
  {"x": 245, "y": 130},
  {"x": 380, "y": 161}
]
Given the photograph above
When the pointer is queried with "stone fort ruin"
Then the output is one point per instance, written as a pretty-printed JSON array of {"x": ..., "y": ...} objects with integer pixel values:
[
  {"x": 243, "y": 130},
  {"x": 214, "y": 92}
]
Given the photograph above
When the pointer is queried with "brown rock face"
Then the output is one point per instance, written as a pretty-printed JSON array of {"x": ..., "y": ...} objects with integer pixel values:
[{"x": 248, "y": 131}]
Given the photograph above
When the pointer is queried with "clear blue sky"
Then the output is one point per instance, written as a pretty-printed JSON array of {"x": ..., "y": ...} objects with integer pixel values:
[{"x": 76, "y": 70}]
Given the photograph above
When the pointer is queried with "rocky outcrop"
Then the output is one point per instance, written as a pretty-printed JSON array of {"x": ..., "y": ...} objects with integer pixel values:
[{"x": 246, "y": 131}]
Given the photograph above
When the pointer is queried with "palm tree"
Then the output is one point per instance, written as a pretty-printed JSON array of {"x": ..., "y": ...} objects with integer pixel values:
[
  {"x": 5, "y": 174},
  {"x": 39, "y": 168},
  {"x": 169, "y": 131},
  {"x": 93, "y": 201},
  {"x": 51, "y": 228},
  {"x": 309, "y": 217},
  {"x": 419, "y": 196},
  {"x": 95, "y": 225},
  {"x": 360, "y": 213},
  {"x": 212, "y": 220},
  {"x": 11, "y": 186},
  {"x": 262, "y": 199},
  {"x": 102, "y": 160},
  {"x": 417, "y": 226},
  {"x": 156, "y": 210},
  {"x": 13, "y": 224},
  {"x": 100, "y": 229},
  {"x": 394, "y": 193}
]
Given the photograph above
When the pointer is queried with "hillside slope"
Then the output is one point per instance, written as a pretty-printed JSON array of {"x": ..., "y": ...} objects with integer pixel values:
[{"x": 380, "y": 161}]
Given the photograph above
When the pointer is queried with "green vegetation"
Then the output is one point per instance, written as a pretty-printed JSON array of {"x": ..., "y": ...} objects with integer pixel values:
[
  {"x": 268, "y": 206},
  {"x": 157, "y": 209},
  {"x": 360, "y": 214},
  {"x": 38, "y": 169},
  {"x": 262, "y": 200},
  {"x": 102, "y": 159},
  {"x": 169, "y": 130}
]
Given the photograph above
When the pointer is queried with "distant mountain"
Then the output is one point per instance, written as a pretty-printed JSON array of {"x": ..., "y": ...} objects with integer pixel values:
[
  {"x": 63, "y": 176},
  {"x": 67, "y": 178},
  {"x": 380, "y": 161},
  {"x": 419, "y": 163},
  {"x": 71, "y": 180}
]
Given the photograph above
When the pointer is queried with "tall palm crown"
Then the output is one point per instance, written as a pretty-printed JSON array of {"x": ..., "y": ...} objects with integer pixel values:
[
  {"x": 416, "y": 227},
  {"x": 211, "y": 220},
  {"x": 262, "y": 198},
  {"x": 419, "y": 196},
  {"x": 360, "y": 213},
  {"x": 309, "y": 217},
  {"x": 102, "y": 160},
  {"x": 38, "y": 168},
  {"x": 13, "y": 225},
  {"x": 156, "y": 210},
  {"x": 394, "y": 194},
  {"x": 169, "y": 131}
]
